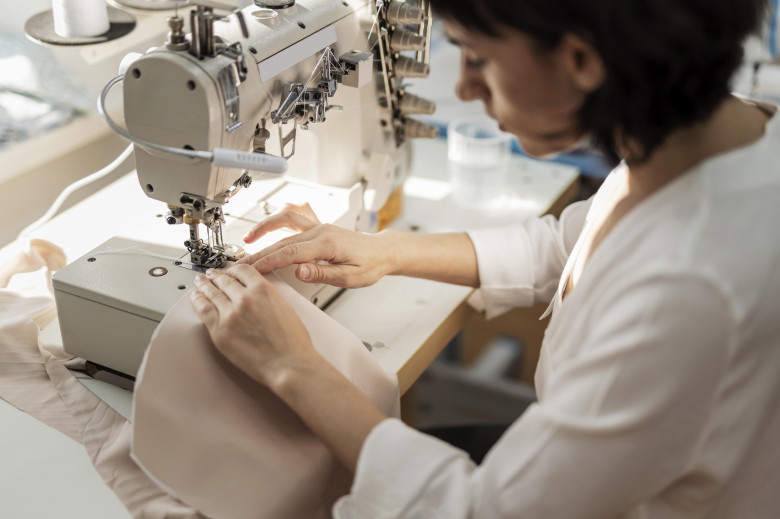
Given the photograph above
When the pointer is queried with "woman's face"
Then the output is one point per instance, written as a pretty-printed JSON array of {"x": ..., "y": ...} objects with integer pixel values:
[{"x": 529, "y": 92}]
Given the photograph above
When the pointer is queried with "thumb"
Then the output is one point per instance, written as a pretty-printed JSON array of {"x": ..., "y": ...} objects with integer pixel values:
[
  {"x": 316, "y": 273},
  {"x": 310, "y": 273}
]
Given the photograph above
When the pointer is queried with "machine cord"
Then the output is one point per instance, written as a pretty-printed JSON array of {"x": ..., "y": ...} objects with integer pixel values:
[
  {"x": 101, "y": 107},
  {"x": 73, "y": 188}
]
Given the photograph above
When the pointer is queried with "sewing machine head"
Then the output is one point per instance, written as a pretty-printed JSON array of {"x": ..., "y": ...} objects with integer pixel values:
[
  {"x": 312, "y": 88},
  {"x": 202, "y": 107}
]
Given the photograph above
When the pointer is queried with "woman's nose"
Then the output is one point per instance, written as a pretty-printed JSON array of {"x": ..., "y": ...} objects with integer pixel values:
[
  {"x": 467, "y": 90},
  {"x": 462, "y": 90},
  {"x": 469, "y": 87}
]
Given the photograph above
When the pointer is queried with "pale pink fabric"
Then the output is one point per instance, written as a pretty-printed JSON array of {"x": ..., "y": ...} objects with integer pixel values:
[
  {"x": 211, "y": 435},
  {"x": 228, "y": 445},
  {"x": 26, "y": 305},
  {"x": 34, "y": 378}
]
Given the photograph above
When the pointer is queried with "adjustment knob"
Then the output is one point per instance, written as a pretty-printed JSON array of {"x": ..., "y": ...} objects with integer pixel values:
[
  {"x": 401, "y": 13},
  {"x": 414, "y": 129},
  {"x": 407, "y": 40},
  {"x": 407, "y": 67},
  {"x": 177, "y": 40},
  {"x": 412, "y": 104}
]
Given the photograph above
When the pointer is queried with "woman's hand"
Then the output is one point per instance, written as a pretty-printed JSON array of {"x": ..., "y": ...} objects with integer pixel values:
[
  {"x": 255, "y": 328},
  {"x": 251, "y": 324},
  {"x": 353, "y": 259},
  {"x": 295, "y": 217}
]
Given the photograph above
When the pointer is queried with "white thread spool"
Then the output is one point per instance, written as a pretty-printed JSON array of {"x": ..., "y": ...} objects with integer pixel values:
[{"x": 80, "y": 18}]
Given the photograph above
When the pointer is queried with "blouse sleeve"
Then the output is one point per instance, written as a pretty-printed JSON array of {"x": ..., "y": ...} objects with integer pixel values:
[
  {"x": 520, "y": 265},
  {"x": 621, "y": 420}
]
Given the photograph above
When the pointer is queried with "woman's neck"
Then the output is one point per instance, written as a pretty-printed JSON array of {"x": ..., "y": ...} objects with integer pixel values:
[{"x": 734, "y": 124}]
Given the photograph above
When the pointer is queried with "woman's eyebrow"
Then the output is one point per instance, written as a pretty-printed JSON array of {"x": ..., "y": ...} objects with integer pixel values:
[{"x": 453, "y": 40}]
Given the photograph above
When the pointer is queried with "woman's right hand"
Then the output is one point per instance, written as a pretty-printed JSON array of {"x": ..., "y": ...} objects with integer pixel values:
[{"x": 353, "y": 259}]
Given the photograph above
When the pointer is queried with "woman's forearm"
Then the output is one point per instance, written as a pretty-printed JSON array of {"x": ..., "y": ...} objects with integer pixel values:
[
  {"x": 449, "y": 258},
  {"x": 334, "y": 409}
]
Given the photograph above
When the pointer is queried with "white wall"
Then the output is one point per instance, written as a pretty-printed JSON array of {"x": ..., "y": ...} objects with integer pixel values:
[{"x": 13, "y": 13}]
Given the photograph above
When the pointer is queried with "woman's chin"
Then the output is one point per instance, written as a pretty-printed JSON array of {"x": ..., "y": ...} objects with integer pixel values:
[
  {"x": 541, "y": 151},
  {"x": 547, "y": 150}
]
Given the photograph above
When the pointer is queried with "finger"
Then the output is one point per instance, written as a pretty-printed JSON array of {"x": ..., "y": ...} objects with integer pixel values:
[
  {"x": 246, "y": 275},
  {"x": 205, "y": 309},
  {"x": 284, "y": 242},
  {"x": 229, "y": 285},
  {"x": 287, "y": 219},
  {"x": 211, "y": 292},
  {"x": 273, "y": 248},
  {"x": 336, "y": 275},
  {"x": 291, "y": 254},
  {"x": 305, "y": 210}
]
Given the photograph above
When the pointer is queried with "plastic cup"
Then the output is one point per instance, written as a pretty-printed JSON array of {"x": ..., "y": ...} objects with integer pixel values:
[{"x": 478, "y": 153}]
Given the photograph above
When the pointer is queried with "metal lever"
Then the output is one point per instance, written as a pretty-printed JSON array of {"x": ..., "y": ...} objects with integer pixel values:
[
  {"x": 288, "y": 105},
  {"x": 230, "y": 9},
  {"x": 202, "y": 25}
]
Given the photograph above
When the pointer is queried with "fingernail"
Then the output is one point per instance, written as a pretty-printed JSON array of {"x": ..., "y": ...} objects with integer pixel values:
[
  {"x": 200, "y": 278},
  {"x": 211, "y": 273},
  {"x": 246, "y": 237},
  {"x": 304, "y": 271}
]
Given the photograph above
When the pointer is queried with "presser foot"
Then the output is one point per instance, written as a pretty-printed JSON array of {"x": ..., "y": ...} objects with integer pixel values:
[{"x": 217, "y": 257}]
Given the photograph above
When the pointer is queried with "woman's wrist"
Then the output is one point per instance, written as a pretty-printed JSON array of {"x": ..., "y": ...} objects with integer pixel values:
[
  {"x": 332, "y": 407},
  {"x": 445, "y": 257},
  {"x": 395, "y": 250},
  {"x": 291, "y": 376}
]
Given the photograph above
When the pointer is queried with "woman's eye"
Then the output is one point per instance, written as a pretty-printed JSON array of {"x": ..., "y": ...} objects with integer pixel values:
[{"x": 475, "y": 63}]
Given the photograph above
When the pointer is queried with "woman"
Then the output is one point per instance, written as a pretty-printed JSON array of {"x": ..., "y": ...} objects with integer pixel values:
[{"x": 658, "y": 383}]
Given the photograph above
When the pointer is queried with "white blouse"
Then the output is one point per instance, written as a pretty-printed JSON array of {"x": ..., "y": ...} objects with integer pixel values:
[{"x": 659, "y": 380}]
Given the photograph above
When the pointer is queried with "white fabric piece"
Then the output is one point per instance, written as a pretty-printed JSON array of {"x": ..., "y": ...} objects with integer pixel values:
[
  {"x": 226, "y": 444},
  {"x": 659, "y": 377}
]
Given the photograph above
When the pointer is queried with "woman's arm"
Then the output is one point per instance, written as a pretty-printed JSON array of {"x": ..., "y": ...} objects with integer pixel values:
[
  {"x": 355, "y": 259},
  {"x": 596, "y": 425},
  {"x": 514, "y": 266},
  {"x": 620, "y": 422},
  {"x": 334, "y": 409}
]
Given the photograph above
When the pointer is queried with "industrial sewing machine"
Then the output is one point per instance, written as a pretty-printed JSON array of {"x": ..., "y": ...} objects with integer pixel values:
[{"x": 311, "y": 87}]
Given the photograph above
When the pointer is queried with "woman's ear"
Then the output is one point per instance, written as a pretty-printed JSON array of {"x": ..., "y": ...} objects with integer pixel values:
[{"x": 581, "y": 62}]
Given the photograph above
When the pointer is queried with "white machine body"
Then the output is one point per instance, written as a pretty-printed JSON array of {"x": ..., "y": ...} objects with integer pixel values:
[{"x": 319, "y": 83}]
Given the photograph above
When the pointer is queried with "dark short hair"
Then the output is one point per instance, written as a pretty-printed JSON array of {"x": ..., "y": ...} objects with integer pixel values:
[{"x": 668, "y": 62}]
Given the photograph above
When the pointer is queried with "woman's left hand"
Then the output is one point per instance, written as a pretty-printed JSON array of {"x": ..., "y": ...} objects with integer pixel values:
[
  {"x": 255, "y": 328},
  {"x": 251, "y": 324}
]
